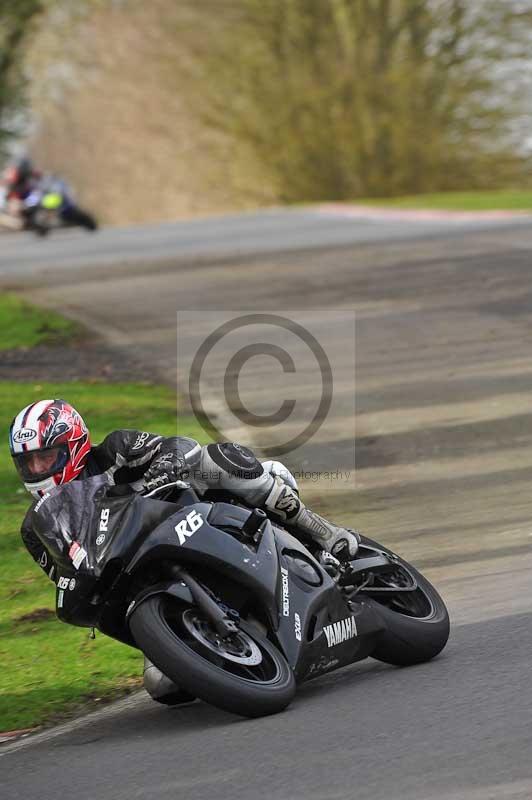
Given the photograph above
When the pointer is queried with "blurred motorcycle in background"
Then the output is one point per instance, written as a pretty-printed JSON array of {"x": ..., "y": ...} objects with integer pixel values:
[{"x": 50, "y": 205}]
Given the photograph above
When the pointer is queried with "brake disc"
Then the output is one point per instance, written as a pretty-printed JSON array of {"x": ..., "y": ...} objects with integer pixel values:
[{"x": 239, "y": 648}]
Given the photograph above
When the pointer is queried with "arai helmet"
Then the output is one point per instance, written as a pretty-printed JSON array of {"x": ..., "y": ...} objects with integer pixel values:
[{"x": 49, "y": 443}]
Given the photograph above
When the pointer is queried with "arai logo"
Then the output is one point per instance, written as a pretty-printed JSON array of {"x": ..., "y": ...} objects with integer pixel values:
[{"x": 24, "y": 435}]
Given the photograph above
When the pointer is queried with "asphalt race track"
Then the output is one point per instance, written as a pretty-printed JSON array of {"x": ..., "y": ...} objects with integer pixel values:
[{"x": 444, "y": 475}]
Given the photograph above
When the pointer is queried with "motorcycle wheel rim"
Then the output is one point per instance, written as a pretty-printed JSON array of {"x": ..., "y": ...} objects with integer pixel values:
[{"x": 240, "y": 648}]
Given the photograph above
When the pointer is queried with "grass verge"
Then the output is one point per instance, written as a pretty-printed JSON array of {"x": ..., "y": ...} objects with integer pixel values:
[
  {"x": 499, "y": 200},
  {"x": 23, "y": 325}
]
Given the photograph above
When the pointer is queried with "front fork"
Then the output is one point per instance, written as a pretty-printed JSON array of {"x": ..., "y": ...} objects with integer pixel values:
[{"x": 217, "y": 615}]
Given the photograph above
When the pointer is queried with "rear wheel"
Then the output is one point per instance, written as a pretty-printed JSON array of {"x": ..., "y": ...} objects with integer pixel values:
[
  {"x": 88, "y": 222},
  {"x": 417, "y": 622},
  {"x": 244, "y": 673},
  {"x": 76, "y": 216}
]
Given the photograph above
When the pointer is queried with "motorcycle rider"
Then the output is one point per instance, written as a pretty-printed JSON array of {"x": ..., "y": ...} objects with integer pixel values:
[
  {"x": 50, "y": 445},
  {"x": 18, "y": 182},
  {"x": 21, "y": 178}
]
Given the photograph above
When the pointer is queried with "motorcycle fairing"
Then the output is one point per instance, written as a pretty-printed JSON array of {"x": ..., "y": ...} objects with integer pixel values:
[
  {"x": 314, "y": 596},
  {"x": 251, "y": 566},
  {"x": 311, "y": 608},
  {"x": 276, "y": 569}
]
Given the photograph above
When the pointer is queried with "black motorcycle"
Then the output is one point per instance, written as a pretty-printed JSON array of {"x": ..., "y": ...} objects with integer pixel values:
[{"x": 227, "y": 604}]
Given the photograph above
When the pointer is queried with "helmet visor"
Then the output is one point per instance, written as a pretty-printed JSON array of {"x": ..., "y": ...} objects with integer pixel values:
[{"x": 37, "y": 465}]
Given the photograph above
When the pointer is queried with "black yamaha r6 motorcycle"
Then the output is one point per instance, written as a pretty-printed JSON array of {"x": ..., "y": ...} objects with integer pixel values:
[{"x": 230, "y": 606}]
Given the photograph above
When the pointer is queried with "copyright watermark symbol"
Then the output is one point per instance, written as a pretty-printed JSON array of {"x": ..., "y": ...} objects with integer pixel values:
[{"x": 281, "y": 383}]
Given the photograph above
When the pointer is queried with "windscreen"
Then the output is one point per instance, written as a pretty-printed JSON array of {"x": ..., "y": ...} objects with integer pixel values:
[
  {"x": 78, "y": 522},
  {"x": 64, "y": 516}
]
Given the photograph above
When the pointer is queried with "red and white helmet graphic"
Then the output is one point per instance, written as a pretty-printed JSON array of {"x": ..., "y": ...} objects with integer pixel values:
[{"x": 49, "y": 443}]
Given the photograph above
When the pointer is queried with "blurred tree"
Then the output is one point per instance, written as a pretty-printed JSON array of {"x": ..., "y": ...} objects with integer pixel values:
[
  {"x": 111, "y": 89},
  {"x": 346, "y": 98},
  {"x": 15, "y": 19},
  {"x": 166, "y": 108}
]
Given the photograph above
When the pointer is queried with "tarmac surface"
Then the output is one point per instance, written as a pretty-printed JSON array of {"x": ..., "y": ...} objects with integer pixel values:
[{"x": 443, "y": 378}]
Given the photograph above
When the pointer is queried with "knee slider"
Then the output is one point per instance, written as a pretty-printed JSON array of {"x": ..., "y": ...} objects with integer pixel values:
[{"x": 235, "y": 460}]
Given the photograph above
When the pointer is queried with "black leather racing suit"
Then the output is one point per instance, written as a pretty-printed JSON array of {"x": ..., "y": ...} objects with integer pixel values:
[{"x": 125, "y": 456}]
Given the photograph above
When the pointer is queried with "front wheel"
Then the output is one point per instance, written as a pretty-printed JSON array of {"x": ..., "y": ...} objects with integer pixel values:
[
  {"x": 244, "y": 673},
  {"x": 39, "y": 222},
  {"x": 416, "y": 619}
]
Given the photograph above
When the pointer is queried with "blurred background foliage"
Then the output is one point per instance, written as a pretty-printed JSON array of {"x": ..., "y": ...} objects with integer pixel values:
[
  {"x": 164, "y": 109},
  {"x": 15, "y": 25}
]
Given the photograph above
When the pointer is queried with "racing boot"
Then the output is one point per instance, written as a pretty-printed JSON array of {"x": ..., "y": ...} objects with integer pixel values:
[
  {"x": 236, "y": 469},
  {"x": 162, "y": 689},
  {"x": 284, "y": 503}
]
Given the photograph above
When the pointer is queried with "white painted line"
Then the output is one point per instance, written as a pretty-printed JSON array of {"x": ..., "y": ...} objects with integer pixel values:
[
  {"x": 114, "y": 709},
  {"x": 389, "y": 213}
]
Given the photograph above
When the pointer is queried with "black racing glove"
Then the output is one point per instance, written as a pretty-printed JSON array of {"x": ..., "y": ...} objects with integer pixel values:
[{"x": 164, "y": 470}]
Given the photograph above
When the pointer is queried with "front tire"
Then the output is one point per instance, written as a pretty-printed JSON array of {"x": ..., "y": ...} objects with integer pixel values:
[
  {"x": 176, "y": 638},
  {"x": 417, "y": 627}
]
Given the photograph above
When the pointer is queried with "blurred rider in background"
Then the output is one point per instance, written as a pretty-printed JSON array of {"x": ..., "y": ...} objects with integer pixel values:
[{"x": 19, "y": 180}]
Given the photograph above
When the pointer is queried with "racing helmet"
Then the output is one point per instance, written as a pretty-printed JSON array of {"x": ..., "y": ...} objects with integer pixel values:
[
  {"x": 19, "y": 173},
  {"x": 49, "y": 444},
  {"x": 24, "y": 168}
]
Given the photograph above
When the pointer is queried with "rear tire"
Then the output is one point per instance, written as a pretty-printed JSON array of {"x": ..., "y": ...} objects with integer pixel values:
[
  {"x": 200, "y": 672},
  {"x": 407, "y": 639},
  {"x": 76, "y": 216},
  {"x": 89, "y": 223}
]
